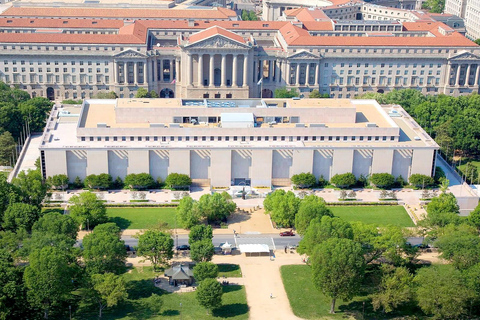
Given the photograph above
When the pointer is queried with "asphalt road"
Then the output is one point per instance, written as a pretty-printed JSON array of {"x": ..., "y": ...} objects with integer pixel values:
[{"x": 280, "y": 242}]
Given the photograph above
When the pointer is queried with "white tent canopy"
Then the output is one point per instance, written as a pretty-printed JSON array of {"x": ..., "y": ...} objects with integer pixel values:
[{"x": 254, "y": 249}]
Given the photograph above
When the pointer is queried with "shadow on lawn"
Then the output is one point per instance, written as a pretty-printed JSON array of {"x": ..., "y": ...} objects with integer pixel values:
[
  {"x": 138, "y": 289},
  {"x": 364, "y": 310},
  {"x": 227, "y": 267},
  {"x": 122, "y": 223},
  {"x": 231, "y": 310}
]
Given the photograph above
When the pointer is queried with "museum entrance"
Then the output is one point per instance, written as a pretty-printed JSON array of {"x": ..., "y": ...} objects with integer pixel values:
[
  {"x": 241, "y": 182},
  {"x": 50, "y": 93}
]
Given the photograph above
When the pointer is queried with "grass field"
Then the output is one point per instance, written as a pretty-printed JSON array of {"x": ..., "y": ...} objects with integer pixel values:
[
  {"x": 229, "y": 270},
  {"x": 380, "y": 215},
  {"x": 140, "y": 304},
  {"x": 141, "y": 218},
  {"x": 310, "y": 303}
]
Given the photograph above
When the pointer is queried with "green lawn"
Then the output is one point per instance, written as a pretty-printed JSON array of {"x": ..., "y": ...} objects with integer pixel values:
[
  {"x": 380, "y": 215},
  {"x": 309, "y": 303},
  {"x": 139, "y": 304},
  {"x": 141, "y": 218},
  {"x": 475, "y": 163},
  {"x": 229, "y": 270}
]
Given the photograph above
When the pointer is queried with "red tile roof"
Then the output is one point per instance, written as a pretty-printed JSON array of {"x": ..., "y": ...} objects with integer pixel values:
[
  {"x": 210, "y": 32},
  {"x": 212, "y": 14},
  {"x": 60, "y": 23}
]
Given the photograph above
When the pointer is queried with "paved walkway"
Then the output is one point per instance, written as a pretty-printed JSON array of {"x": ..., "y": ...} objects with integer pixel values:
[{"x": 261, "y": 277}]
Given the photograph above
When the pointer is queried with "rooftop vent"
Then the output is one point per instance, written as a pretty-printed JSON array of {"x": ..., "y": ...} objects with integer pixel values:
[
  {"x": 101, "y": 125},
  {"x": 371, "y": 125},
  {"x": 317, "y": 125}
]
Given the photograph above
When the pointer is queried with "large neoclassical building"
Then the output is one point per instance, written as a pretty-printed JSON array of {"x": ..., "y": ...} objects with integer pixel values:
[
  {"x": 74, "y": 52},
  {"x": 224, "y": 142}
]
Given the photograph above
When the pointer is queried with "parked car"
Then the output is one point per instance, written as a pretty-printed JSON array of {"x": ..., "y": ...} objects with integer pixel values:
[
  {"x": 287, "y": 233},
  {"x": 183, "y": 247}
]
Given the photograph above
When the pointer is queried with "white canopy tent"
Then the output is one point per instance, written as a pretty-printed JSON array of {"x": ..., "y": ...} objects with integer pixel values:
[{"x": 254, "y": 249}]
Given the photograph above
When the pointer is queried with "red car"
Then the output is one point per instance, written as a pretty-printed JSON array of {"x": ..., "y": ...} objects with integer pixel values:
[{"x": 287, "y": 233}]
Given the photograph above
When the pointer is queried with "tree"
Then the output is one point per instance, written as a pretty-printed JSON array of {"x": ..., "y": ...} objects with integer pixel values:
[
  {"x": 155, "y": 246},
  {"x": 142, "y": 93},
  {"x": 48, "y": 277},
  {"x": 471, "y": 172},
  {"x": 11, "y": 288},
  {"x": 20, "y": 216},
  {"x": 344, "y": 181},
  {"x": 304, "y": 180},
  {"x": 209, "y": 294},
  {"x": 205, "y": 270},
  {"x": 474, "y": 217},
  {"x": 282, "y": 207},
  {"x": 338, "y": 269},
  {"x": 108, "y": 290},
  {"x": 202, "y": 251},
  {"x": 153, "y": 94},
  {"x": 7, "y": 148},
  {"x": 315, "y": 94},
  {"x": 311, "y": 207},
  {"x": 31, "y": 186},
  {"x": 249, "y": 15},
  {"x": 8, "y": 194},
  {"x": 101, "y": 181},
  {"x": 178, "y": 181},
  {"x": 382, "y": 180},
  {"x": 284, "y": 93},
  {"x": 35, "y": 112},
  {"x": 186, "y": 215},
  {"x": 441, "y": 292},
  {"x": 106, "y": 95},
  {"x": 200, "y": 232},
  {"x": 86, "y": 206},
  {"x": 215, "y": 207},
  {"x": 477, "y": 41},
  {"x": 434, "y": 6},
  {"x": 459, "y": 247},
  {"x": 442, "y": 210},
  {"x": 104, "y": 251},
  {"x": 420, "y": 180},
  {"x": 58, "y": 181},
  {"x": 394, "y": 290},
  {"x": 320, "y": 230},
  {"x": 139, "y": 181}
]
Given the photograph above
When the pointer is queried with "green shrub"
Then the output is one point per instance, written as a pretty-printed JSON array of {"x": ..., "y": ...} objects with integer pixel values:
[
  {"x": 178, "y": 180},
  {"x": 304, "y": 180},
  {"x": 70, "y": 101},
  {"x": 100, "y": 181},
  {"x": 139, "y": 181},
  {"x": 420, "y": 180},
  {"x": 345, "y": 180},
  {"x": 382, "y": 180}
]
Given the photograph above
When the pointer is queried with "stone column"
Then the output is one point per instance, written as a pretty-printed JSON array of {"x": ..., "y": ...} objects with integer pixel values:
[
  {"x": 172, "y": 62},
  {"x": 279, "y": 69},
  {"x": 160, "y": 74},
  {"x": 457, "y": 80},
  {"x": 316, "y": 74},
  {"x": 449, "y": 73},
  {"x": 467, "y": 76},
  {"x": 297, "y": 75},
  {"x": 211, "y": 67},
  {"x": 307, "y": 75},
  {"x": 135, "y": 73},
  {"x": 287, "y": 73},
  {"x": 235, "y": 74},
  {"x": 200, "y": 70},
  {"x": 260, "y": 70},
  {"x": 155, "y": 70},
  {"x": 189, "y": 70},
  {"x": 177, "y": 69},
  {"x": 224, "y": 70},
  {"x": 115, "y": 72},
  {"x": 477, "y": 74},
  {"x": 245, "y": 70}
]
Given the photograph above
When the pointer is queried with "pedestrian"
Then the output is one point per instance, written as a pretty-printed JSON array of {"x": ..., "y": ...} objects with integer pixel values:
[
  {"x": 285, "y": 249},
  {"x": 271, "y": 295}
]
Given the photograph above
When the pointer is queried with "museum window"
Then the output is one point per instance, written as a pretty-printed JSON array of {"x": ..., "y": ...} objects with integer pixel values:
[
  {"x": 139, "y": 138},
  {"x": 392, "y": 138},
  {"x": 227, "y": 138},
  {"x": 195, "y": 138},
  {"x": 187, "y": 138},
  {"x": 147, "y": 138},
  {"x": 132, "y": 138},
  {"x": 124, "y": 138},
  {"x": 337, "y": 138},
  {"x": 344, "y": 138},
  {"x": 314, "y": 138},
  {"x": 330, "y": 138},
  {"x": 251, "y": 138},
  {"x": 384, "y": 138},
  {"x": 353, "y": 138},
  {"x": 377, "y": 138},
  {"x": 99, "y": 138},
  {"x": 322, "y": 138},
  {"x": 259, "y": 138},
  {"x": 275, "y": 138},
  {"x": 179, "y": 138},
  {"x": 82, "y": 138},
  {"x": 219, "y": 139},
  {"x": 299, "y": 138},
  {"x": 212, "y": 138},
  {"x": 91, "y": 138},
  {"x": 361, "y": 138},
  {"x": 172, "y": 138},
  {"x": 266, "y": 138},
  {"x": 204, "y": 138},
  {"x": 305, "y": 138},
  {"x": 369, "y": 138},
  {"x": 282, "y": 138}
]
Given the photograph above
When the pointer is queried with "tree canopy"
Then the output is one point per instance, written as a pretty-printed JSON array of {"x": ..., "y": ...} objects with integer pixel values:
[
  {"x": 86, "y": 207},
  {"x": 209, "y": 294},
  {"x": 338, "y": 269},
  {"x": 311, "y": 207},
  {"x": 155, "y": 246},
  {"x": 205, "y": 270},
  {"x": 282, "y": 207},
  {"x": 202, "y": 251}
]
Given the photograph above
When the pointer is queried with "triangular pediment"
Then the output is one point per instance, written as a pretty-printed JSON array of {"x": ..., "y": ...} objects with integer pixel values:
[
  {"x": 465, "y": 56},
  {"x": 304, "y": 55},
  {"x": 217, "y": 41},
  {"x": 130, "y": 53}
]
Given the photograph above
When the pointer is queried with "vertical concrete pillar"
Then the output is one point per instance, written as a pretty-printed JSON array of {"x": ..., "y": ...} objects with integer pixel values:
[
  {"x": 221, "y": 160},
  {"x": 200, "y": 70}
]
